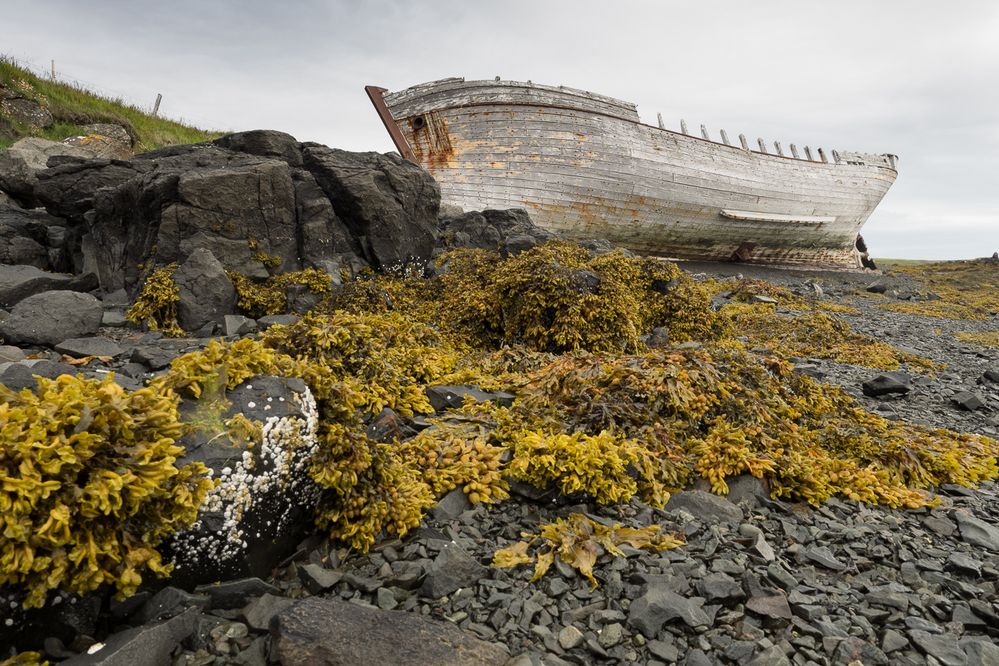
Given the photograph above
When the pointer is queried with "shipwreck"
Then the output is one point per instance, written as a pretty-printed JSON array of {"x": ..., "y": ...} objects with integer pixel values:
[{"x": 585, "y": 166}]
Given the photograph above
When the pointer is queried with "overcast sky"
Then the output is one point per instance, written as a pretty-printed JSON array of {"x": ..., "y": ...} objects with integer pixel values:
[{"x": 919, "y": 79}]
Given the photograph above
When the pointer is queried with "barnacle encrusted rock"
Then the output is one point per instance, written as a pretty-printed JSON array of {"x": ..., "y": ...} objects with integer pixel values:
[{"x": 264, "y": 498}]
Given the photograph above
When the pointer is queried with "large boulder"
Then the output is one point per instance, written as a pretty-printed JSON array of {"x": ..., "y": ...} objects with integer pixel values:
[
  {"x": 67, "y": 188},
  {"x": 264, "y": 503},
  {"x": 50, "y": 317},
  {"x": 508, "y": 231},
  {"x": 21, "y": 162},
  {"x": 20, "y": 282},
  {"x": 206, "y": 292},
  {"x": 389, "y": 205},
  {"x": 104, "y": 140}
]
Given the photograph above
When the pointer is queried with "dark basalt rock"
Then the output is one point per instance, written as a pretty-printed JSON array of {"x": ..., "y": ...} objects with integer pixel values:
[
  {"x": 264, "y": 503},
  {"x": 448, "y": 397},
  {"x": 705, "y": 506},
  {"x": 886, "y": 384},
  {"x": 389, "y": 205},
  {"x": 261, "y": 202},
  {"x": 206, "y": 292},
  {"x": 509, "y": 232},
  {"x": 330, "y": 632},
  {"x": 967, "y": 400},
  {"x": 50, "y": 317}
]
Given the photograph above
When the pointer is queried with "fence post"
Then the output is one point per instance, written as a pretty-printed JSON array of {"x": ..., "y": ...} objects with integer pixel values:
[
  {"x": 53, "y": 70},
  {"x": 683, "y": 126},
  {"x": 156, "y": 106}
]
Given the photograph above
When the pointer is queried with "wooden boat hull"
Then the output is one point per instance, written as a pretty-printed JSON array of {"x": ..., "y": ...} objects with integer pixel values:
[{"x": 585, "y": 167}]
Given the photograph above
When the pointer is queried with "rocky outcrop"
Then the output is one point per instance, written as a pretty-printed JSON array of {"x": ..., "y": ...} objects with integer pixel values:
[
  {"x": 389, "y": 205},
  {"x": 24, "y": 110},
  {"x": 20, "y": 164},
  {"x": 261, "y": 202}
]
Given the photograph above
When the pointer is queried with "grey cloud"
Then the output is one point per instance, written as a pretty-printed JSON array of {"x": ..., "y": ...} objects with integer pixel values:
[{"x": 916, "y": 79}]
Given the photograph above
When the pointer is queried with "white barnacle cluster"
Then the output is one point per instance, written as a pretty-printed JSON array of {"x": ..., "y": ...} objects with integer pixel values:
[{"x": 273, "y": 477}]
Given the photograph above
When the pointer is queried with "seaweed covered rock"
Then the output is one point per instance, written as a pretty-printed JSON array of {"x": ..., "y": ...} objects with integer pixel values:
[
  {"x": 559, "y": 297},
  {"x": 92, "y": 489},
  {"x": 258, "y": 440},
  {"x": 509, "y": 232}
]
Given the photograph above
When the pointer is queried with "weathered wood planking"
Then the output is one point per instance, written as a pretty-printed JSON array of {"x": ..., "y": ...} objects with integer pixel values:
[{"x": 584, "y": 165}]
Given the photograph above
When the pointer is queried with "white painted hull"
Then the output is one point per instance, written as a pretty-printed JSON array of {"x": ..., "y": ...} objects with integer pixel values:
[{"x": 584, "y": 166}]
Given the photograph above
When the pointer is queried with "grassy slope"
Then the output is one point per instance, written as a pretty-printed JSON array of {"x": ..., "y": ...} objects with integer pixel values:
[{"x": 73, "y": 107}]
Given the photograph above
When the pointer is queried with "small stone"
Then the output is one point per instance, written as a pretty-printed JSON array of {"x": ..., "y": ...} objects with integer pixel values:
[
  {"x": 448, "y": 397},
  {"x": 977, "y": 532},
  {"x": 317, "y": 579},
  {"x": 267, "y": 321},
  {"x": 234, "y": 593},
  {"x": 258, "y": 613},
  {"x": 967, "y": 400},
  {"x": 705, "y": 506},
  {"x": 822, "y": 556},
  {"x": 773, "y": 606},
  {"x": 10, "y": 354},
  {"x": 944, "y": 648},
  {"x": 238, "y": 325},
  {"x": 885, "y": 384},
  {"x": 451, "y": 505},
  {"x": 965, "y": 564},
  {"x": 666, "y": 651},
  {"x": 660, "y": 605},
  {"x": 92, "y": 346},
  {"x": 720, "y": 587},
  {"x": 385, "y": 599},
  {"x": 168, "y": 602},
  {"x": 453, "y": 568},
  {"x": 771, "y": 656},
  {"x": 610, "y": 635},
  {"x": 854, "y": 650},
  {"x": 114, "y": 319},
  {"x": 570, "y": 637},
  {"x": 893, "y": 641}
]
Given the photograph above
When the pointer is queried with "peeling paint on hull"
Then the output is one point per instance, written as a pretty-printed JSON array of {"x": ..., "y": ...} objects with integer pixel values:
[{"x": 584, "y": 166}]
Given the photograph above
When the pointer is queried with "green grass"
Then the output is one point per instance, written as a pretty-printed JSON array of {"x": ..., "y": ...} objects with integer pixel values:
[{"x": 72, "y": 107}]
